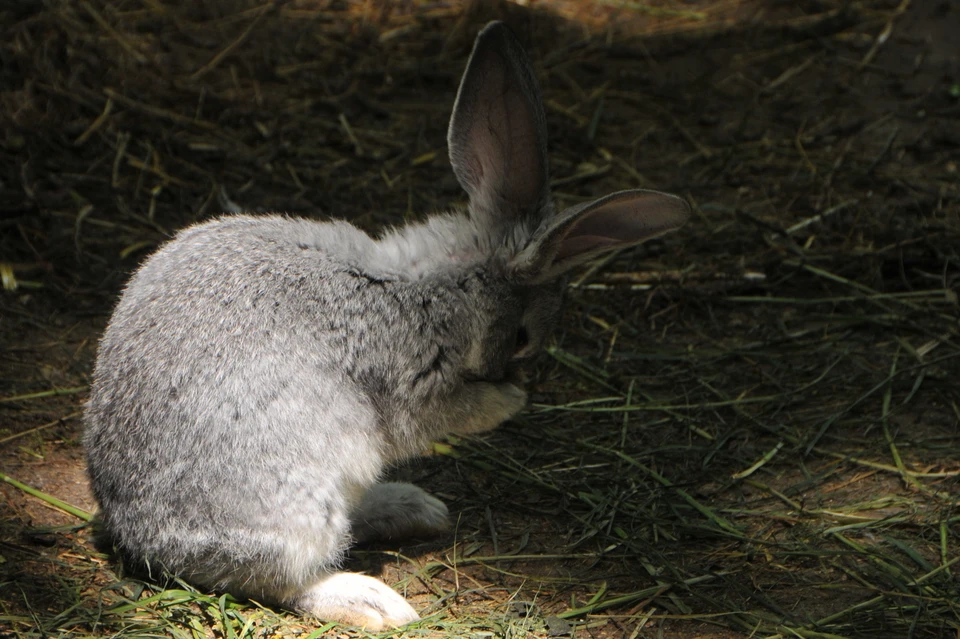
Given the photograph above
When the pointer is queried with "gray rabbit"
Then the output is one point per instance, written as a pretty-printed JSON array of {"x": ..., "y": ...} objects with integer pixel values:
[{"x": 261, "y": 373}]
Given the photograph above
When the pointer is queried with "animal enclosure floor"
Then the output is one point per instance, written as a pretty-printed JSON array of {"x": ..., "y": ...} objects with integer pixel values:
[{"x": 749, "y": 428}]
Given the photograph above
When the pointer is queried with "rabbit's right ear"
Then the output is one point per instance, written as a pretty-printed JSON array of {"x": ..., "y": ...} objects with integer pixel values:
[{"x": 497, "y": 137}]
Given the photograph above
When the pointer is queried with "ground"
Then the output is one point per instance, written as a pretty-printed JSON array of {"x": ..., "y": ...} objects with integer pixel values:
[{"x": 749, "y": 428}]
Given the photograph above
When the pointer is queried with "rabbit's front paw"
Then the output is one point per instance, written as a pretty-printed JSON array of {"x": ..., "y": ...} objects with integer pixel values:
[
  {"x": 357, "y": 600},
  {"x": 395, "y": 510},
  {"x": 513, "y": 397},
  {"x": 494, "y": 403}
]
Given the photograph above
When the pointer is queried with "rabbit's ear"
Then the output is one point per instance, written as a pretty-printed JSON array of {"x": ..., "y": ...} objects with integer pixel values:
[
  {"x": 497, "y": 137},
  {"x": 585, "y": 231}
]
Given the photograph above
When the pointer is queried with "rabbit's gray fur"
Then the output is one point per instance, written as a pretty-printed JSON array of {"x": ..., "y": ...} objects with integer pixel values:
[{"x": 260, "y": 373}]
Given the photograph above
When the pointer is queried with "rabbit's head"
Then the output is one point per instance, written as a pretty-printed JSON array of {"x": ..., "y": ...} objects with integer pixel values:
[{"x": 498, "y": 149}]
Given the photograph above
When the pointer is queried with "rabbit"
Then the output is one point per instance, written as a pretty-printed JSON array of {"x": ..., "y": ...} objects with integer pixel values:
[{"x": 260, "y": 373}]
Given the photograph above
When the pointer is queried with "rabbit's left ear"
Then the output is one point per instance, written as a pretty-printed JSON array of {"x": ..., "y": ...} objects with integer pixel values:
[
  {"x": 497, "y": 137},
  {"x": 585, "y": 231}
]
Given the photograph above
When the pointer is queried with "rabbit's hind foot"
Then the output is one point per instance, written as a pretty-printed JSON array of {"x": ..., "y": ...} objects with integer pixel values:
[
  {"x": 357, "y": 600},
  {"x": 394, "y": 510}
]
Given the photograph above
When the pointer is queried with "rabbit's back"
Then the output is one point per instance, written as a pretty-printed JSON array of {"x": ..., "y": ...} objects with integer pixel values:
[{"x": 222, "y": 422}]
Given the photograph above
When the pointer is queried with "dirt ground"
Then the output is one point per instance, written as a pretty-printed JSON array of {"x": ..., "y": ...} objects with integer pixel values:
[{"x": 803, "y": 330}]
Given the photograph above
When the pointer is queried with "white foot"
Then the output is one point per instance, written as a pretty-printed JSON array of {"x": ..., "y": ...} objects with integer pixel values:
[
  {"x": 395, "y": 510},
  {"x": 357, "y": 600}
]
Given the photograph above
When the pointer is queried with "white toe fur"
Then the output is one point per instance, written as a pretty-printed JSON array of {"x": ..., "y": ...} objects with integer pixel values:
[
  {"x": 395, "y": 510},
  {"x": 357, "y": 600}
]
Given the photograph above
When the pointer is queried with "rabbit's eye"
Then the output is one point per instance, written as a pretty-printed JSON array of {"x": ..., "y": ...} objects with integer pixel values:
[{"x": 523, "y": 340}]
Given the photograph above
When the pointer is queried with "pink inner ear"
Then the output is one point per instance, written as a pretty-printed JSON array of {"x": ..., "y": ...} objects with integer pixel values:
[
  {"x": 617, "y": 221},
  {"x": 616, "y": 224},
  {"x": 581, "y": 244},
  {"x": 505, "y": 143},
  {"x": 496, "y": 136}
]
